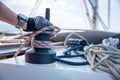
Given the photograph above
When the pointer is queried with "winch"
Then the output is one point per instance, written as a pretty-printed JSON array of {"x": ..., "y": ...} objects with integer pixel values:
[{"x": 41, "y": 55}]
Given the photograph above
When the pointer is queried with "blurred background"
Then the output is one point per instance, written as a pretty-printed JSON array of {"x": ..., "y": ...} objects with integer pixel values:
[{"x": 67, "y": 14}]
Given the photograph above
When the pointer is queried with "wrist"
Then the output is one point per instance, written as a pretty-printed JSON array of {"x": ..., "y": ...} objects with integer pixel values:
[
  {"x": 22, "y": 21},
  {"x": 24, "y": 26}
]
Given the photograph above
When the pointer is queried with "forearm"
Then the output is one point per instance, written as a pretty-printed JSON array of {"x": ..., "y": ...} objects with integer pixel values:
[
  {"x": 8, "y": 15},
  {"x": 21, "y": 21}
]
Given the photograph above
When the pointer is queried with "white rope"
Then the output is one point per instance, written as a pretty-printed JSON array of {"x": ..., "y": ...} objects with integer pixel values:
[
  {"x": 98, "y": 16},
  {"x": 76, "y": 34},
  {"x": 34, "y": 9},
  {"x": 52, "y": 30},
  {"x": 88, "y": 15},
  {"x": 105, "y": 58}
]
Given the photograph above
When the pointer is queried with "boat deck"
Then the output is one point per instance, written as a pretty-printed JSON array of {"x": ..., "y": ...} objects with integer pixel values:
[{"x": 10, "y": 70}]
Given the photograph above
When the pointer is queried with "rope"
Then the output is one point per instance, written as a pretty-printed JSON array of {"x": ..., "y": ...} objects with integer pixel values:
[
  {"x": 52, "y": 30},
  {"x": 34, "y": 9},
  {"x": 74, "y": 33},
  {"x": 98, "y": 16},
  {"x": 105, "y": 58},
  {"x": 88, "y": 15},
  {"x": 72, "y": 51},
  {"x": 69, "y": 54}
]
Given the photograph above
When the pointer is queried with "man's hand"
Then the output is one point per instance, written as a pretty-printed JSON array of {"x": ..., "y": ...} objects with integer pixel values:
[
  {"x": 41, "y": 22},
  {"x": 34, "y": 24}
]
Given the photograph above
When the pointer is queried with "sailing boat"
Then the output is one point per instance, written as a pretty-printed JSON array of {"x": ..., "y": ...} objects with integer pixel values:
[{"x": 20, "y": 69}]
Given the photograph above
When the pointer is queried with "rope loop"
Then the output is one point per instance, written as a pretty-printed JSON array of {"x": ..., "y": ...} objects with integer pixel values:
[
  {"x": 105, "y": 58},
  {"x": 72, "y": 53},
  {"x": 52, "y": 30}
]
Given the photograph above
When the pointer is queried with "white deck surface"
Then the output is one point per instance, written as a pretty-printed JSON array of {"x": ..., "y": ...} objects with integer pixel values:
[{"x": 10, "y": 70}]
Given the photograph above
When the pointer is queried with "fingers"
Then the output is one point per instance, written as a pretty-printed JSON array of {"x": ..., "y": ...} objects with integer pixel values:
[
  {"x": 41, "y": 22},
  {"x": 37, "y": 23}
]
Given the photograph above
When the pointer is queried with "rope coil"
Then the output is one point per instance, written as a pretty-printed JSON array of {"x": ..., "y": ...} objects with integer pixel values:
[
  {"x": 73, "y": 53},
  {"x": 52, "y": 30},
  {"x": 105, "y": 58},
  {"x": 72, "y": 50}
]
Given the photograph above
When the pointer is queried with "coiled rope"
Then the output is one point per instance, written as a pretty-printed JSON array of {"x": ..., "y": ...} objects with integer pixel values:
[
  {"x": 52, "y": 30},
  {"x": 73, "y": 51},
  {"x": 105, "y": 58},
  {"x": 75, "y": 34}
]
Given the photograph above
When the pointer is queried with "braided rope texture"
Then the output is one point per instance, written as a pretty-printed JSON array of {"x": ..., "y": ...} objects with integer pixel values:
[
  {"x": 52, "y": 30},
  {"x": 105, "y": 58}
]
